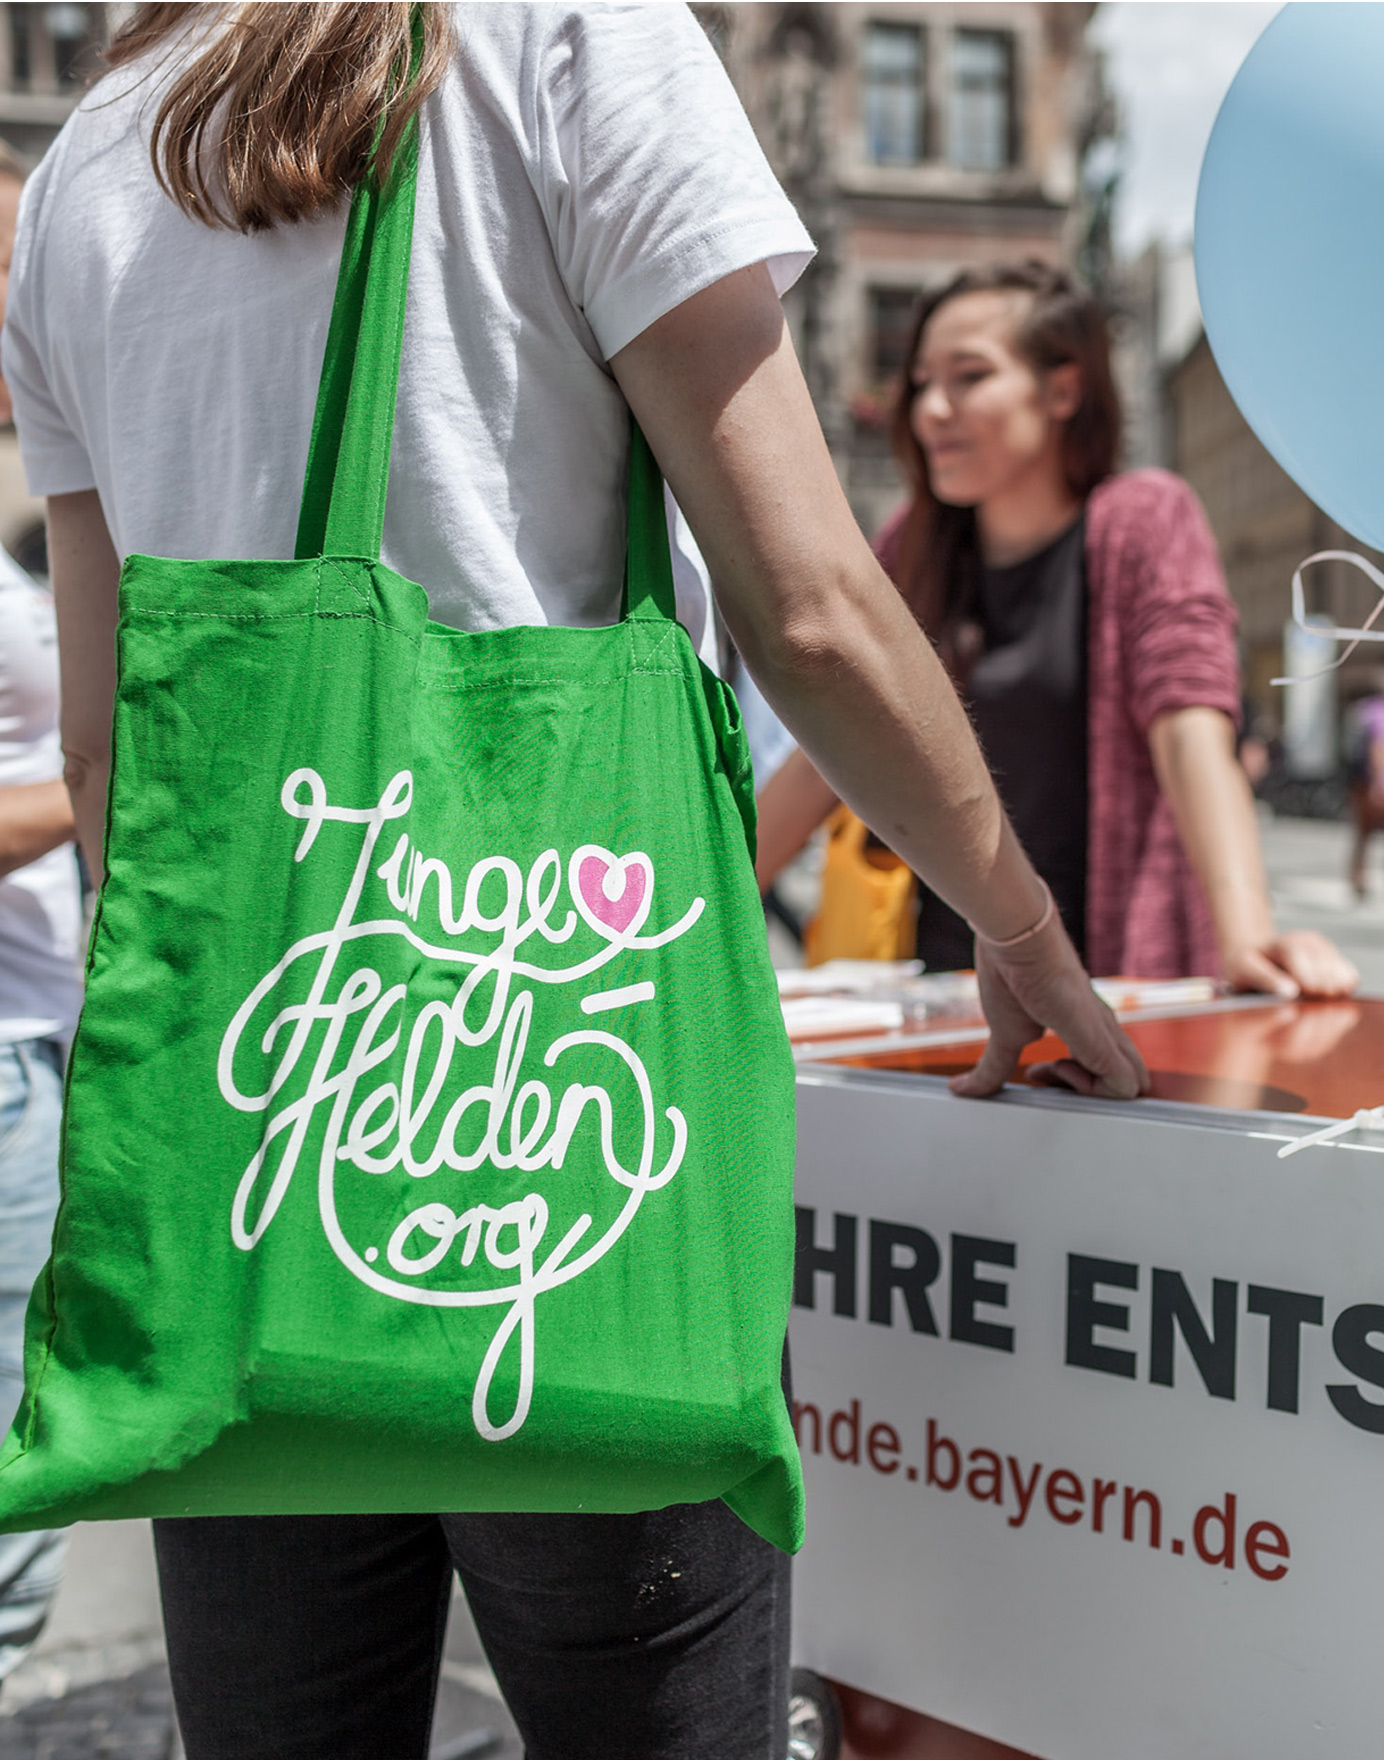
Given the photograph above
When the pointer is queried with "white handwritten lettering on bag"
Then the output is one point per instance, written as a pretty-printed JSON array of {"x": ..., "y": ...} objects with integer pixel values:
[
  {"x": 379, "y": 1132},
  {"x": 471, "y": 1126}
]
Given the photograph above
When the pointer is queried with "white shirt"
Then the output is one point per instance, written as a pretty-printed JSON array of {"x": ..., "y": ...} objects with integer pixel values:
[
  {"x": 40, "y": 906},
  {"x": 583, "y": 170}
]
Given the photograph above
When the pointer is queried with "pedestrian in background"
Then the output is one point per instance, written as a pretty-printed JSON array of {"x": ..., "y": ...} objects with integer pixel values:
[
  {"x": 596, "y": 231},
  {"x": 1085, "y": 619},
  {"x": 40, "y": 991},
  {"x": 1365, "y": 778}
]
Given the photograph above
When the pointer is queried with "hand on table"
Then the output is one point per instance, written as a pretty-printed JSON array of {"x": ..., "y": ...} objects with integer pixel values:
[
  {"x": 1300, "y": 963},
  {"x": 1038, "y": 986}
]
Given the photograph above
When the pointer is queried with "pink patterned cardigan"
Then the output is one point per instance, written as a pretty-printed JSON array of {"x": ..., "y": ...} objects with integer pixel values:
[{"x": 1161, "y": 631}]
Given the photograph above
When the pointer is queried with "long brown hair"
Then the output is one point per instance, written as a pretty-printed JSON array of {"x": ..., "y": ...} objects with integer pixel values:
[
  {"x": 274, "y": 116},
  {"x": 934, "y": 566}
]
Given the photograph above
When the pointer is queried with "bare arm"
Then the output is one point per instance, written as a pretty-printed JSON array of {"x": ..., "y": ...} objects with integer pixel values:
[
  {"x": 792, "y": 804},
  {"x": 1194, "y": 757},
  {"x": 34, "y": 818},
  {"x": 86, "y": 573},
  {"x": 717, "y": 389}
]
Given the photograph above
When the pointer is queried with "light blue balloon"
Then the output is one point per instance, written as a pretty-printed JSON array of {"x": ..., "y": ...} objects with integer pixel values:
[{"x": 1290, "y": 252}]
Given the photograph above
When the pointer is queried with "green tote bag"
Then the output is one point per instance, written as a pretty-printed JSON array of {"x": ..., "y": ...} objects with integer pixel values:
[{"x": 429, "y": 1128}]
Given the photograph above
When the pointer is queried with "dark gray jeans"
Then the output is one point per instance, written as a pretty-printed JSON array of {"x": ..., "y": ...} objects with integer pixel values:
[{"x": 642, "y": 1637}]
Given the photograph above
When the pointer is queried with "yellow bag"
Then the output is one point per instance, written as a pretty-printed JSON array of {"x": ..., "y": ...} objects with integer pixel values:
[{"x": 867, "y": 904}]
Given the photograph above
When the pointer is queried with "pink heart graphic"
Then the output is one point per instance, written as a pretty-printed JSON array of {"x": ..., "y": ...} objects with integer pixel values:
[{"x": 617, "y": 912}]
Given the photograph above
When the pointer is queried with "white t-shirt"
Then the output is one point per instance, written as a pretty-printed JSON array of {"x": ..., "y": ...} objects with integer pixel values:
[
  {"x": 583, "y": 170},
  {"x": 40, "y": 906}
]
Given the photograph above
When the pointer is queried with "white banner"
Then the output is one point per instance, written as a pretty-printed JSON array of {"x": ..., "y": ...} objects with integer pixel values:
[
  {"x": 1091, "y": 1404},
  {"x": 1309, "y": 707}
]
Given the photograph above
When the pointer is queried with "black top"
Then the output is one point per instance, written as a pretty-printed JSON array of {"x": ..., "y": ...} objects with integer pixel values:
[{"x": 1027, "y": 695}]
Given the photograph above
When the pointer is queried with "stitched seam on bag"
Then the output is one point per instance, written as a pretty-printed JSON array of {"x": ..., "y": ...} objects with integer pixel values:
[
  {"x": 490, "y": 684},
  {"x": 503, "y": 684},
  {"x": 664, "y": 639},
  {"x": 370, "y": 615},
  {"x": 274, "y": 617},
  {"x": 341, "y": 572},
  {"x": 265, "y": 616},
  {"x": 228, "y": 616}
]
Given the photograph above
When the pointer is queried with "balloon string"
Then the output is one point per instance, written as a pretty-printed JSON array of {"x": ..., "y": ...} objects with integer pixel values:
[{"x": 1366, "y": 632}]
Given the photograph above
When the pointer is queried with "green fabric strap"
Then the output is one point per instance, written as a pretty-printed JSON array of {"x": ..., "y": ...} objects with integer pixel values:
[
  {"x": 347, "y": 478},
  {"x": 648, "y": 564},
  {"x": 342, "y": 511}
]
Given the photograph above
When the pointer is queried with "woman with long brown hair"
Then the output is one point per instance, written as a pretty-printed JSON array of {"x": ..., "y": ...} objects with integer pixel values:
[
  {"x": 596, "y": 233},
  {"x": 1085, "y": 619}
]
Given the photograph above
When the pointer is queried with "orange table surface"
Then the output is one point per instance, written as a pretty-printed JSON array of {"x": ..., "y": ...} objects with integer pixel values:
[{"x": 1323, "y": 1058}]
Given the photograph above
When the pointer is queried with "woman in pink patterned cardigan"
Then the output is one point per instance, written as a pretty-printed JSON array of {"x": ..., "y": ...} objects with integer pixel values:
[{"x": 1086, "y": 620}]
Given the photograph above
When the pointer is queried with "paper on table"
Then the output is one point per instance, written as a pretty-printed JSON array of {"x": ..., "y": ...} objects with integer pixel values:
[
  {"x": 808, "y": 1017},
  {"x": 847, "y": 976},
  {"x": 881, "y": 996}
]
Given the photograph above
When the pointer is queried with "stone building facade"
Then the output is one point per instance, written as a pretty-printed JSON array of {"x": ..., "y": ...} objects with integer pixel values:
[
  {"x": 914, "y": 139},
  {"x": 1265, "y": 526},
  {"x": 47, "y": 54}
]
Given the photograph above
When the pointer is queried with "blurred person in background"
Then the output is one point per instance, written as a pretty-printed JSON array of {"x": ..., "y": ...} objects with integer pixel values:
[
  {"x": 1365, "y": 777},
  {"x": 40, "y": 991},
  {"x": 1084, "y": 618}
]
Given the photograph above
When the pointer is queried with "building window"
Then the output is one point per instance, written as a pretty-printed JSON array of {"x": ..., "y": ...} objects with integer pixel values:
[
  {"x": 69, "y": 26},
  {"x": 982, "y": 100},
  {"x": 893, "y": 94},
  {"x": 21, "y": 48},
  {"x": 892, "y": 310}
]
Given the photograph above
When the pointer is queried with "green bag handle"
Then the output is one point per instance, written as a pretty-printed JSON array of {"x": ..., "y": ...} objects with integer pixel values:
[
  {"x": 342, "y": 512},
  {"x": 648, "y": 562}
]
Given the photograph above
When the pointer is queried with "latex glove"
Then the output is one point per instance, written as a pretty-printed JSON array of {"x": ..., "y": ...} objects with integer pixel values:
[
  {"x": 1300, "y": 963},
  {"x": 1038, "y": 986}
]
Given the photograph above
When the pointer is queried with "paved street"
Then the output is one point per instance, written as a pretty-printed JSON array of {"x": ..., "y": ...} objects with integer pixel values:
[
  {"x": 1307, "y": 871},
  {"x": 96, "y": 1684}
]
